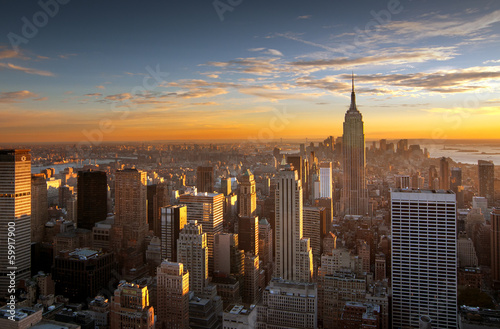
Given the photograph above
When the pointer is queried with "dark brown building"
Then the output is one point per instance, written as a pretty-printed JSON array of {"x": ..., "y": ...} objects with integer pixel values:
[
  {"x": 92, "y": 198},
  {"x": 205, "y": 179},
  {"x": 81, "y": 273}
]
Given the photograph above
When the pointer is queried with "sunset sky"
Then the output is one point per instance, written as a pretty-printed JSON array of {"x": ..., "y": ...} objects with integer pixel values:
[{"x": 247, "y": 69}]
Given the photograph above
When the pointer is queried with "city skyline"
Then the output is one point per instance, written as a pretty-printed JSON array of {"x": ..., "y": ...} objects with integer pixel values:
[{"x": 249, "y": 71}]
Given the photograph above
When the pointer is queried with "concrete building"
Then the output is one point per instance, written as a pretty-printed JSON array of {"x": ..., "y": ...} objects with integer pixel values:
[
  {"x": 495, "y": 247},
  {"x": 239, "y": 317},
  {"x": 326, "y": 182},
  {"x": 192, "y": 252},
  {"x": 289, "y": 305},
  {"x": 92, "y": 198},
  {"x": 19, "y": 317},
  {"x": 130, "y": 307},
  {"x": 173, "y": 296},
  {"x": 205, "y": 179},
  {"x": 39, "y": 205}
]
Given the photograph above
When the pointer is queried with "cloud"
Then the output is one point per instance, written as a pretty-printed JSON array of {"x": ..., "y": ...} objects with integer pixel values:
[
  {"x": 304, "y": 17},
  {"x": 16, "y": 96},
  {"x": 267, "y": 51},
  {"x": 41, "y": 99},
  {"x": 205, "y": 104},
  {"x": 494, "y": 61},
  {"x": 9, "y": 53},
  {"x": 66, "y": 56},
  {"x": 213, "y": 76},
  {"x": 26, "y": 69},
  {"x": 100, "y": 87},
  {"x": 250, "y": 65},
  {"x": 392, "y": 56},
  {"x": 119, "y": 97},
  {"x": 93, "y": 95}
]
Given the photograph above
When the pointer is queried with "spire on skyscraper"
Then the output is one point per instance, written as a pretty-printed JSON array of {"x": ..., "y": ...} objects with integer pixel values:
[{"x": 353, "y": 96}]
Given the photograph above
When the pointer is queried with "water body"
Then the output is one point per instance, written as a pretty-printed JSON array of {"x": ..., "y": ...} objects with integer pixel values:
[
  {"x": 466, "y": 153},
  {"x": 61, "y": 167}
]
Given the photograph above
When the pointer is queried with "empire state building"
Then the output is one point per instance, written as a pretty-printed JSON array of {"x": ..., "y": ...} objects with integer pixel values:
[{"x": 354, "y": 192}]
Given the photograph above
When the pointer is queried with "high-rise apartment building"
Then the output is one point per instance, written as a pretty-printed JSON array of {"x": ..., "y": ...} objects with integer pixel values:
[
  {"x": 192, "y": 252},
  {"x": 205, "y": 179},
  {"x": 293, "y": 251},
  {"x": 39, "y": 205},
  {"x": 354, "y": 192},
  {"x": 15, "y": 216},
  {"x": 157, "y": 196},
  {"x": 424, "y": 257},
  {"x": 92, "y": 198},
  {"x": 207, "y": 209},
  {"x": 172, "y": 307},
  {"x": 173, "y": 219},
  {"x": 487, "y": 180}
]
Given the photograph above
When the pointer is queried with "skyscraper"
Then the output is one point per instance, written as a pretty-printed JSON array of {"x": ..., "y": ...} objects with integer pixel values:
[
  {"x": 15, "y": 216},
  {"x": 487, "y": 180},
  {"x": 172, "y": 306},
  {"x": 92, "y": 198},
  {"x": 39, "y": 205},
  {"x": 205, "y": 179},
  {"x": 248, "y": 233},
  {"x": 248, "y": 197},
  {"x": 192, "y": 252},
  {"x": 444, "y": 174},
  {"x": 424, "y": 257},
  {"x": 131, "y": 226},
  {"x": 495, "y": 247},
  {"x": 207, "y": 209},
  {"x": 325, "y": 185},
  {"x": 173, "y": 219},
  {"x": 354, "y": 192},
  {"x": 293, "y": 252}
]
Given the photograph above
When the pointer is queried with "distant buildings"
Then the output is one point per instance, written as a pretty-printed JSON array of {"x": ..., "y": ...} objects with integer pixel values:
[{"x": 424, "y": 258}]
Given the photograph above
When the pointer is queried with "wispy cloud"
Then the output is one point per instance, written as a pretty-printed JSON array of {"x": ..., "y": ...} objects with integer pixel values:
[
  {"x": 26, "y": 69},
  {"x": 93, "y": 95},
  {"x": 17, "y": 96},
  {"x": 100, "y": 87},
  {"x": 305, "y": 17}
]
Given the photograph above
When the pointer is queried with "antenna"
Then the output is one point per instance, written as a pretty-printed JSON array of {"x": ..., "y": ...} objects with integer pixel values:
[{"x": 352, "y": 81}]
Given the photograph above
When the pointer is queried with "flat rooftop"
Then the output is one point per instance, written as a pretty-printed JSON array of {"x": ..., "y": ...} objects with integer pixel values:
[{"x": 411, "y": 190}]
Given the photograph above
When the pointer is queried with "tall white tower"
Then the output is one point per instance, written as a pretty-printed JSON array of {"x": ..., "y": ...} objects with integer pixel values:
[{"x": 424, "y": 258}]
